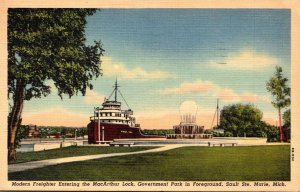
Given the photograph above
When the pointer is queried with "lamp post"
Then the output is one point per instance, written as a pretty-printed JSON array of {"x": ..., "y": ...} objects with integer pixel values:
[
  {"x": 98, "y": 115},
  {"x": 102, "y": 133},
  {"x": 41, "y": 135},
  {"x": 75, "y": 134},
  {"x": 48, "y": 133}
]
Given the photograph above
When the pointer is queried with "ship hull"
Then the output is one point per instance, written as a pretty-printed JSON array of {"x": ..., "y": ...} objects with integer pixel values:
[{"x": 109, "y": 132}]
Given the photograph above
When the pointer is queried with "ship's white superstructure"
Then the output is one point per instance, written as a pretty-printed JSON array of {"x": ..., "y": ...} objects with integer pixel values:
[{"x": 112, "y": 113}]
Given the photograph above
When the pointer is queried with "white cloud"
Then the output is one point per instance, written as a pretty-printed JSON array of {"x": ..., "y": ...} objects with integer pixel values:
[
  {"x": 92, "y": 97},
  {"x": 56, "y": 116},
  {"x": 198, "y": 86},
  {"x": 210, "y": 88},
  {"x": 121, "y": 71},
  {"x": 245, "y": 60},
  {"x": 229, "y": 95}
]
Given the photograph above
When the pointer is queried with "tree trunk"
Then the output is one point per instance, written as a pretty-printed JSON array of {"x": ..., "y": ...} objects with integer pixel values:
[
  {"x": 280, "y": 126},
  {"x": 15, "y": 119}
]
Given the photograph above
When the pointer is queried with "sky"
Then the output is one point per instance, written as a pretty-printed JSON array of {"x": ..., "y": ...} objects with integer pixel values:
[{"x": 163, "y": 57}]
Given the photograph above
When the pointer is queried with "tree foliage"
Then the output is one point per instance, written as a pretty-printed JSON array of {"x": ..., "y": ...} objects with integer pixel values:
[
  {"x": 61, "y": 130},
  {"x": 277, "y": 86},
  {"x": 287, "y": 118},
  {"x": 158, "y": 131},
  {"x": 281, "y": 92},
  {"x": 246, "y": 120},
  {"x": 21, "y": 134},
  {"x": 47, "y": 44},
  {"x": 287, "y": 124},
  {"x": 239, "y": 119}
]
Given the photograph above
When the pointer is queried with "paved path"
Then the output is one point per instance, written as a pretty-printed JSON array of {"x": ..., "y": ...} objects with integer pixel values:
[{"x": 38, "y": 164}]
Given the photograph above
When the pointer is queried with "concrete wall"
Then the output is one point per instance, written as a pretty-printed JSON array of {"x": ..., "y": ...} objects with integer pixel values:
[
  {"x": 47, "y": 146},
  {"x": 26, "y": 148},
  {"x": 243, "y": 140}
]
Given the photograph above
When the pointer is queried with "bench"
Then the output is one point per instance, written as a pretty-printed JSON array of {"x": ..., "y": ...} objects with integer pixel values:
[
  {"x": 221, "y": 144},
  {"x": 121, "y": 144}
]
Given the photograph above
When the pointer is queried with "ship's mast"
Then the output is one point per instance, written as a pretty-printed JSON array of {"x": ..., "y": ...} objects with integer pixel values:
[
  {"x": 216, "y": 112},
  {"x": 116, "y": 89}
]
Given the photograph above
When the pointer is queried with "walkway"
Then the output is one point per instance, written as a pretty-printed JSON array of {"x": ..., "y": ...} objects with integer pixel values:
[{"x": 38, "y": 164}]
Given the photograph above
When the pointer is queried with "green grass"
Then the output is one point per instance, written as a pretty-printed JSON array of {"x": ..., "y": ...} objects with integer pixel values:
[
  {"x": 257, "y": 163},
  {"x": 73, "y": 151}
]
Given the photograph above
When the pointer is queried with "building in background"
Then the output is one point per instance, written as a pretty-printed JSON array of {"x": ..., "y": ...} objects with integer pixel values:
[{"x": 32, "y": 131}]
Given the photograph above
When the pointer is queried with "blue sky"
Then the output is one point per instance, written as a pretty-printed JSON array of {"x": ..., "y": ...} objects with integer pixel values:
[{"x": 163, "y": 57}]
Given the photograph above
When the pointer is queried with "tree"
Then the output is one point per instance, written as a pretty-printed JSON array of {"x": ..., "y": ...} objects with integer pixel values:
[
  {"x": 43, "y": 132},
  {"x": 21, "y": 134},
  {"x": 240, "y": 119},
  {"x": 287, "y": 124},
  {"x": 277, "y": 86},
  {"x": 43, "y": 45},
  {"x": 287, "y": 118},
  {"x": 270, "y": 131}
]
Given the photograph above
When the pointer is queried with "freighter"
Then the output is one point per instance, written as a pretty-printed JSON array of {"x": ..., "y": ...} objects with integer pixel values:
[{"x": 110, "y": 122}]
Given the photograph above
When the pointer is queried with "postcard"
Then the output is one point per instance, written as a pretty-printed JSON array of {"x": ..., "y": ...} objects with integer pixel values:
[{"x": 150, "y": 96}]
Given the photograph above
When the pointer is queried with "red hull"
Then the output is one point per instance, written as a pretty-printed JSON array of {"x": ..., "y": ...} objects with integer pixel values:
[{"x": 109, "y": 132}]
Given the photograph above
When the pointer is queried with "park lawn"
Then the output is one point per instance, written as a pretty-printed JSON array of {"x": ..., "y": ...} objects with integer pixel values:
[
  {"x": 73, "y": 151},
  {"x": 256, "y": 163}
]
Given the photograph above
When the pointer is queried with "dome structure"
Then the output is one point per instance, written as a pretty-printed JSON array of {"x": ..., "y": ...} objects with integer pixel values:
[
  {"x": 188, "y": 111},
  {"x": 188, "y": 114}
]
